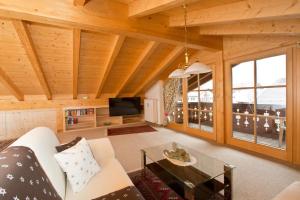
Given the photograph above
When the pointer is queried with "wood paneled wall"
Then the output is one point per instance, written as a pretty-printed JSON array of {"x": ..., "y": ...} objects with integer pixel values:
[
  {"x": 296, "y": 95},
  {"x": 58, "y": 105},
  {"x": 14, "y": 124},
  {"x": 238, "y": 46}
]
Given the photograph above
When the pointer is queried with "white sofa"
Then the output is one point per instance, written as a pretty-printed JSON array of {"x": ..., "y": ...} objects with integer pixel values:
[
  {"x": 111, "y": 178},
  {"x": 292, "y": 192}
]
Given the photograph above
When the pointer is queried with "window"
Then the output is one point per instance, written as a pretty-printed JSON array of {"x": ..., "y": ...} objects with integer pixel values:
[
  {"x": 259, "y": 101},
  {"x": 200, "y": 101}
]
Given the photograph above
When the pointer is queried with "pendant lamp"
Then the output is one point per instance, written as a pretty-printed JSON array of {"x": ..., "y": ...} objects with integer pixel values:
[
  {"x": 187, "y": 70},
  {"x": 178, "y": 73},
  {"x": 197, "y": 68}
]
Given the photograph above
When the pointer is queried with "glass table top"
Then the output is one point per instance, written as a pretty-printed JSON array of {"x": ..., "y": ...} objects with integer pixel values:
[{"x": 204, "y": 168}]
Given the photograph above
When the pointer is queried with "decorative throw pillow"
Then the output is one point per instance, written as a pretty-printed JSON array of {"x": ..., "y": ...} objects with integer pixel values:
[
  {"x": 79, "y": 164},
  {"x": 63, "y": 147}
]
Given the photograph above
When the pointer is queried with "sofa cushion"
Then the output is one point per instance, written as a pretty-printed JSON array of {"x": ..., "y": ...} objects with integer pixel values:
[
  {"x": 79, "y": 164},
  {"x": 111, "y": 178},
  {"x": 63, "y": 147},
  {"x": 102, "y": 150},
  {"x": 42, "y": 141}
]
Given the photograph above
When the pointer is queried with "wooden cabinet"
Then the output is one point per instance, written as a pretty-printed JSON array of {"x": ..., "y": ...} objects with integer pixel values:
[
  {"x": 79, "y": 118},
  {"x": 104, "y": 119}
]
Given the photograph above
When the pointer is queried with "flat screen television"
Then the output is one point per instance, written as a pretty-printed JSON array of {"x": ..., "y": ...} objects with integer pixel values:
[{"x": 124, "y": 106}]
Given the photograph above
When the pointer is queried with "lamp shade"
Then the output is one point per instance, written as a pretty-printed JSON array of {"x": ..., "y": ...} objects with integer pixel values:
[
  {"x": 178, "y": 73},
  {"x": 197, "y": 68}
]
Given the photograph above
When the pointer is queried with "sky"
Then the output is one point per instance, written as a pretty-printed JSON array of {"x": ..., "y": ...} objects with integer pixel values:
[{"x": 269, "y": 71}]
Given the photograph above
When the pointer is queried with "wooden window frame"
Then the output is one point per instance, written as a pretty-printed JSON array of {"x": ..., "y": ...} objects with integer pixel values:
[
  {"x": 198, "y": 132},
  {"x": 259, "y": 148},
  {"x": 192, "y": 131},
  {"x": 199, "y": 103}
]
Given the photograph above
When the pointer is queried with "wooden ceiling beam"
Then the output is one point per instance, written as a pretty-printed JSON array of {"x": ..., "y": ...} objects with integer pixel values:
[
  {"x": 159, "y": 69},
  {"x": 28, "y": 45},
  {"x": 119, "y": 40},
  {"x": 152, "y": 46},
  {"x": 240, "y": 11},
  {"x": 76, "y": 57},
  {"x": 278, "y": 27},
  {"x": 8, "y": 83},
  {"x": 79, "y": 2},
  {"x": 154, "y": 29},
  {"x": 141, "y": 8}
]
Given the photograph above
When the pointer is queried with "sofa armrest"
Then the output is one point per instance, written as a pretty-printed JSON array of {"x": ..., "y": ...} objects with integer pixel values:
[
  {"x": 292, "y": 192},
  {"x": 102, "y": 150},
  {"x": 42, "y": 141}
]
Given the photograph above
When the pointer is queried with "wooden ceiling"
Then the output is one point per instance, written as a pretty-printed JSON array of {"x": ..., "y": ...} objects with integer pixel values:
[{"x": 72, "y": 48}]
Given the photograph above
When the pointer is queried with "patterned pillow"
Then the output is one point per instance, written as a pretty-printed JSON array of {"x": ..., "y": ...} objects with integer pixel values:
[
  {"x": 79, "y": 164},
  {"x": 63, "y": 147}
]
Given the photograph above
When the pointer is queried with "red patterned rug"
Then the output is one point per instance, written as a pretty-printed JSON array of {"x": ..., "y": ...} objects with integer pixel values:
[
  {"x": 130, "y": 130},
  {"x": 151, "y": 187}
]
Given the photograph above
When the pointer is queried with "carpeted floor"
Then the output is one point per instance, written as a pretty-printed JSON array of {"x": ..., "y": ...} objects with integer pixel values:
[
  {"x": 255, "y": 178},
  {"x": 130, "y": 130}
]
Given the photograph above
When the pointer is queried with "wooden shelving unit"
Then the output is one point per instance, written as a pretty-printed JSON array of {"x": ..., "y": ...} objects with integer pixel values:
[
  {"x": 133, "y": 119},
  {"x": 103, "y": 118},
  {"x": 80, "y": 118}
]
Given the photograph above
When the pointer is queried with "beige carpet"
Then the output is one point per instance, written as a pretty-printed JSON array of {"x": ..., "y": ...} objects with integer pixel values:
[{"x": 255, "y": 178}]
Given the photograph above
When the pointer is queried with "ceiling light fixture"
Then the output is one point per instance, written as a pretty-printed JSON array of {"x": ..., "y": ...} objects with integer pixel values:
[
  {"x": 187, "y": 70},
  {"x": 197, "y": 68}
]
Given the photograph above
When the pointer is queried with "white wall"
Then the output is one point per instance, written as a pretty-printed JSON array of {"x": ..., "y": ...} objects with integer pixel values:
[{"x": 156, "y": 92}]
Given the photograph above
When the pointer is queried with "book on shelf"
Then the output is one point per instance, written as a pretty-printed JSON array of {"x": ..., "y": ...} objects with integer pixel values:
[
  {"x": 73, "y": 114},
  {"x": 79, "y": 112}
]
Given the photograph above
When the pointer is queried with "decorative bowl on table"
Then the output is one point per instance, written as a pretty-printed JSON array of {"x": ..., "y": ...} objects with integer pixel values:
[{"x": 179, "y": 156}]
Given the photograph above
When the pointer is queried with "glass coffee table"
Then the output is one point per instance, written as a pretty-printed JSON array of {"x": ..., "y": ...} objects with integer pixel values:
[{"x": 206, "y": 178}]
